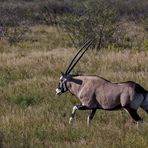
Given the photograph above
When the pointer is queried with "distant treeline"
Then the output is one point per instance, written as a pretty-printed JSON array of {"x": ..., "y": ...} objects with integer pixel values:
[
  {"x": 33, "y": 11},
  {"x": 114, "y": 23}
]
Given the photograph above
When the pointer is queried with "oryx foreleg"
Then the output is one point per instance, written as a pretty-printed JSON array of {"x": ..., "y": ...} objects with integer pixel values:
[
  {"x": 90, "y": 116},
  {"x": 75, "y": 108}
]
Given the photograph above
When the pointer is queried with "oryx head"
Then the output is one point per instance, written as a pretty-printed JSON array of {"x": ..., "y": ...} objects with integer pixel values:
[{"x": 62, "y": 87}]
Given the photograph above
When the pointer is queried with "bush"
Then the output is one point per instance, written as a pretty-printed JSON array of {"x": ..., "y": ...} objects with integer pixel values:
[
  {"x": 15, "y": 34},
  {"x": 97, "y": 19}
]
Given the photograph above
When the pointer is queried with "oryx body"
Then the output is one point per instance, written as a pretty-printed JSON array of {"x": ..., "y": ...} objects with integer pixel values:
[{"x": 95, "y": 92}]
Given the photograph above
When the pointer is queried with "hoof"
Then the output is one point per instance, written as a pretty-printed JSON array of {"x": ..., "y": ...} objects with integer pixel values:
[
  {"x": 70, "y": 120},
  {"x": 138, "y": 123}
]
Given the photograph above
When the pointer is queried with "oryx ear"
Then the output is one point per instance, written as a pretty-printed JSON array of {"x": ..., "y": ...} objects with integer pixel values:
[{"x": 63, "y": 75}]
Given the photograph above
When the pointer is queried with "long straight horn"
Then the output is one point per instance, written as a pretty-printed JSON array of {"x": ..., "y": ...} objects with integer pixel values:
[
  {"x": 72, "y": 64},
  {"x": 84, "y": 45}
]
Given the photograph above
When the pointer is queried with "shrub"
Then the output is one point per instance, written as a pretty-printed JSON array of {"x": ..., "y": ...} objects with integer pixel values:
[
  {"x": 15, "y": 34},
  {"x": 97, "y": 19}
]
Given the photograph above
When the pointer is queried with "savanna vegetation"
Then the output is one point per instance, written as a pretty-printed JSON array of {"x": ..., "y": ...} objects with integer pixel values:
[{"x": 38, "y": 40}]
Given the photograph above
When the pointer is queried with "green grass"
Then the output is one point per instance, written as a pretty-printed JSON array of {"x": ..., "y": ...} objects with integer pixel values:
[{"x": 32, "y": 116}]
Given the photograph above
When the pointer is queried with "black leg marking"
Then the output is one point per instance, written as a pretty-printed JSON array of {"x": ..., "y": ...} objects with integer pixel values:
[
  {"x": 92, "y": 113},
  {"x": 75, "y": 108},
  {"x": 82, "y": 107},
  {"x": 78, "y": 107},
  {"x": 90, "y": 116},
  {"x": 133, "y": 114}
]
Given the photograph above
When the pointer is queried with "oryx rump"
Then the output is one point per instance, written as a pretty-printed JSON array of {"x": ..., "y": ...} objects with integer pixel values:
[{"x": 95, "y": 92}]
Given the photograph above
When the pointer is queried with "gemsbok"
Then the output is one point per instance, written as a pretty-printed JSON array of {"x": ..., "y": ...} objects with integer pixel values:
[{"x": 95, "y": 92}]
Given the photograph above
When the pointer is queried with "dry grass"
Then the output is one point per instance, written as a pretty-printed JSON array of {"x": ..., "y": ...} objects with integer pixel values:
[{"x": 32, "y": 116}]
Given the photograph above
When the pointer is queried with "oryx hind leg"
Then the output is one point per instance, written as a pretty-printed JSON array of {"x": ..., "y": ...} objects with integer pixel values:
[
  {"x": 75, "y": 108},
  {"x": 133, "y": 113}
]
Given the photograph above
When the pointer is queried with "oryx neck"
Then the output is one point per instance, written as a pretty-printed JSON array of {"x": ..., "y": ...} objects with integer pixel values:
[{"x": 74, "y": 84}]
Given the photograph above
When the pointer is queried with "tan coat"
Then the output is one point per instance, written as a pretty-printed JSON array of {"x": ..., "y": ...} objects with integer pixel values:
[{"x": 96, "y": 92}]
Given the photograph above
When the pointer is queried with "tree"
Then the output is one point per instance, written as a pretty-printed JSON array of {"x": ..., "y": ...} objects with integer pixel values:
[{"x": 95, "y": 18}]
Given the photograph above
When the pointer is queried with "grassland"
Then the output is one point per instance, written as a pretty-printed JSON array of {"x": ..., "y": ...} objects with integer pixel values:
[{"x": 31, "y": 116}]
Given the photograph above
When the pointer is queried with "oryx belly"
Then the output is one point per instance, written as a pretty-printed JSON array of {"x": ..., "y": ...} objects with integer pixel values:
[
  {"x": 108, "y": 96},
  {"x": 109, "y": 101}
]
